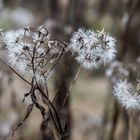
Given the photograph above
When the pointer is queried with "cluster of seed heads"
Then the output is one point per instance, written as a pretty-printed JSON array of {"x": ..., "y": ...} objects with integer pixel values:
[{"x": 33, "y": 51}]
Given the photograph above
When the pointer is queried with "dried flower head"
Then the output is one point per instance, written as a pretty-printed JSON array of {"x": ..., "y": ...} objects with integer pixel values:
[
  {"x": 116, "y": 71},
  {"x": 127, "y": 95},
  {"x": 32, "y": 51},
  {"x": 93, "y": 48}
]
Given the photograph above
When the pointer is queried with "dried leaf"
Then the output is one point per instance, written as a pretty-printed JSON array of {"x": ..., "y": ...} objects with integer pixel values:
[{"x": 28, "y": 112}]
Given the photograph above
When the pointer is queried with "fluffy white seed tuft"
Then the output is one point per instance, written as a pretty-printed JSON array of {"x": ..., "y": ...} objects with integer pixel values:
[
  {"x": 127, "y": 95},
  {"x": 93, "y": 48}
]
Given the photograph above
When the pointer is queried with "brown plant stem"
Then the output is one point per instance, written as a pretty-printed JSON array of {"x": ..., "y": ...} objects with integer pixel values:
[
  {"x": 74, "y": 80},
  {"x": 130, "y": 129},
  {"x": 15, "y": 72}
]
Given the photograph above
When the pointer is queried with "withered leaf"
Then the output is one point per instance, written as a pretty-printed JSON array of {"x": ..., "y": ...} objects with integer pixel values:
[{"x": 28, "y": 112}]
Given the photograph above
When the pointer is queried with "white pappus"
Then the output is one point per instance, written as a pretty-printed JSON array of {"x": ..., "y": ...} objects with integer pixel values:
[
  {"x": 92, "y": 49},
  {"x": 127, "y": 95}
]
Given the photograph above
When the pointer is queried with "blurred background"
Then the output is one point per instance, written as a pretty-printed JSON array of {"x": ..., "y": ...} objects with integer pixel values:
[{"x": 92, "y": 112}]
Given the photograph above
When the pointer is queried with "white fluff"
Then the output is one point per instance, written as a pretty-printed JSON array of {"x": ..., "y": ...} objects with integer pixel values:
[
  {"x": 126, "y": 95},
  {"x": 92, "y": 48}
]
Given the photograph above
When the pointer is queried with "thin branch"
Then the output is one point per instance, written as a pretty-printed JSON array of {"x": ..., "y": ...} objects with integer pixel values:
[
  {"x": 15, "y": 71},
  {"x": 75, "y": 78},
  {"x": 51, "y": 105}
]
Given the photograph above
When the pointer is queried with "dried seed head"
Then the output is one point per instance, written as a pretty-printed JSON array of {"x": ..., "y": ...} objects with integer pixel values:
[
  {"x": 127, "y": 95},
  {"x": 31, "y": 51},
  {"x": 94, "y": 48}
]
